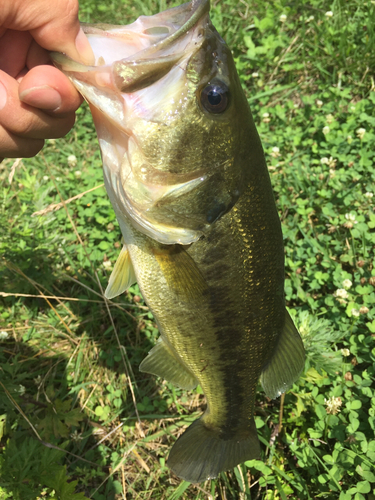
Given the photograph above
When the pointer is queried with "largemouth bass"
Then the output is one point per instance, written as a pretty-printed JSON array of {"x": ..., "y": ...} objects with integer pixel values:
[{"x": 185, "y": 172}]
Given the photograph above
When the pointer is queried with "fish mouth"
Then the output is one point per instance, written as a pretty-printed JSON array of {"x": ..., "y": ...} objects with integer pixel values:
[
  {"x": 130, "y": 61},
  {"x": 150, "y": 47}
]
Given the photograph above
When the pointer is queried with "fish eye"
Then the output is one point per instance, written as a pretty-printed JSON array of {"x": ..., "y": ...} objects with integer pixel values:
[{"x": 215, "y": 97}]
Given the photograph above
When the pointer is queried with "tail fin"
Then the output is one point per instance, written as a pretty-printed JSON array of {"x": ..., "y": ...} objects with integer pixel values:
[{"x": 201, "y": 453}]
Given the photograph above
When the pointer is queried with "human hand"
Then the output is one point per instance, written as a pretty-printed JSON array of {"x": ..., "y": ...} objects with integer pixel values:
[{"x": 37, "y": 101}]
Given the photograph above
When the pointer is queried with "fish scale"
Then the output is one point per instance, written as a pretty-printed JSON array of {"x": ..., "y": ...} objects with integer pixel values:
[{"x": 186, "y": 175}]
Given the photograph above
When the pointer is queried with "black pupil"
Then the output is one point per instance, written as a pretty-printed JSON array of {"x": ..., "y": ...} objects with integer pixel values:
[{"x": 214, "y": 97}]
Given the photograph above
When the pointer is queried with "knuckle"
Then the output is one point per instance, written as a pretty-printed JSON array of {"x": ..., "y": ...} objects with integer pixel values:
[
  {"x": 71, "y": 8},
  {"x": 33, "y": 148},
  {"x": 62, "y": 127},
  {"x": 12, "y": 146}
]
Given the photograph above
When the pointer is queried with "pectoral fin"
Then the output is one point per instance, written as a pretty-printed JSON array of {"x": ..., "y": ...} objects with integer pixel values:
[
  {"x": 161, "y": 361},
  {"x": 181, "y": 272},
  {"x": 122, "y": 276},
  {"x": 287, "y": 362}
]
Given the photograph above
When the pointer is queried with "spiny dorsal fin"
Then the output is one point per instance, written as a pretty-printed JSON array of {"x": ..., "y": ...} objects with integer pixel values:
[
  {"x": 161, "y": 361},
  {"x": 181, "y": 272},
  {"x": 122, "y": 276},
  {"x": 287, "y": 361}
]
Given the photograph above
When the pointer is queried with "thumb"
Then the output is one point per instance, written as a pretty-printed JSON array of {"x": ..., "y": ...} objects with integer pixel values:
[
  {"x": 71, "y": 40},
  {"x": 62, "y": 32},
  {"x": 53, "y": 24}
]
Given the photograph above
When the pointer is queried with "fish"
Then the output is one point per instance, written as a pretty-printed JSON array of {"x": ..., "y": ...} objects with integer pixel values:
[{"x": 186, "y": 175}]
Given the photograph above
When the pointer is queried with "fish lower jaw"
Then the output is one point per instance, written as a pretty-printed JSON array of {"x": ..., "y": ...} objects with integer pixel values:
[{"x": 167, "y": 235}]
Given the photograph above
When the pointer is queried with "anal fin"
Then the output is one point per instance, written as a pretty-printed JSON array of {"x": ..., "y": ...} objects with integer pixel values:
[
  {"x": 162, "y": 362},
  {"x": 287, "y": 361},
  {"x": 122, "y": 276}
]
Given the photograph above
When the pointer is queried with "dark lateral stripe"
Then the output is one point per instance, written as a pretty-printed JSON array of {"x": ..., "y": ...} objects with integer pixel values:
[{"x": 233, "y": 364}]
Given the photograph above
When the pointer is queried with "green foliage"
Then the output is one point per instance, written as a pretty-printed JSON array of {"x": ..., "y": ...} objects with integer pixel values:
[
  {"x": 319, "y": 338},
  {"x": 26, "y": 466},
  {"x": 324, "y": 42},
  {"x": 308, "y": 71},
  {"x": 58, "y": 419}
]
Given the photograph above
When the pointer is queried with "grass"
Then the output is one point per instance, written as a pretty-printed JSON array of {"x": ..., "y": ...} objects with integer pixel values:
[{"x": 77, "y": 418}]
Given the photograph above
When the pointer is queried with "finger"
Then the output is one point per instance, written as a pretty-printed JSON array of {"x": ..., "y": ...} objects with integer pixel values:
[
  {"x": 45, "y": 87},
  {"x": 13, "y": 146},
  {"x": 37, "y": 56},
  {"x": 26, "y": 121},
  {"x": 74, "y": 43},
  {"x": 54, "y": 25},
  {"x": 14, "y": 46}
]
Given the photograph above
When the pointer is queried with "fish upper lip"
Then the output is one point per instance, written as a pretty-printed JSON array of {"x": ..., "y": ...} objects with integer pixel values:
[{"x": 197, "y": 8}]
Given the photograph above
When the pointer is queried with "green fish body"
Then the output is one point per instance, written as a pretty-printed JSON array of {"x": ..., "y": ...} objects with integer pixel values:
[{"x": 186, "y": 175}]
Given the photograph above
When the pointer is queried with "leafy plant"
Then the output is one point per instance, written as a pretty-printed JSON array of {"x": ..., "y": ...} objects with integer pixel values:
[{"x": 27, "y": 466}]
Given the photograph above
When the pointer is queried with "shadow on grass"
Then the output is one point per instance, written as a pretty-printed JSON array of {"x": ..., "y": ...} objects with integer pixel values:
[{"x": 66, "y": 380}]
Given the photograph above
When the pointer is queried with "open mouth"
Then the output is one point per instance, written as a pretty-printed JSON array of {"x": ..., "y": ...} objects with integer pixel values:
[
  {"x": 124, "y": 47},
  {"x": 129, "y": 59}
]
